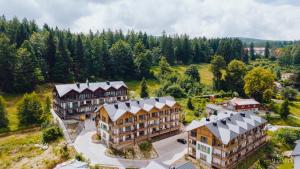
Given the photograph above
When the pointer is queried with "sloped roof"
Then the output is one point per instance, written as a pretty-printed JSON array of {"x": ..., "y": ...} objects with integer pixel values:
[
  {"x": 116, "y": 110},
  {"x": 63, "y": 89},
  {"x": 185, "y": 165},
  {"x": 240, "y": 101},
  {"x": 228, "y": 125}
]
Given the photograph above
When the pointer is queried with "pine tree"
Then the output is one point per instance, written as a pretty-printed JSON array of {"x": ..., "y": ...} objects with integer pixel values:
[
  {"x": 267, "y": 50},
  {"x": 190, "y": 104},
  {"x": 46, "y": 116},
  {"x": 79, "y": 61},
  {"x": 144, "y": 89},
  {"x": 8, "y": 61},
  {"x": 252, "y": 54},
  {"x": 50, "y": 54},
  {"x": 284, "y": 109},
  {"x": 3, "y": 117}
]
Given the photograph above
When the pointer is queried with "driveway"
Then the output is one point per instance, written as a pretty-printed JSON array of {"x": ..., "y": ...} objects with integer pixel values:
[{"x": 168, "y": 149}]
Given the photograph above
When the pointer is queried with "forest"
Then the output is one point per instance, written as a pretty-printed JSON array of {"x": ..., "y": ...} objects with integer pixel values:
[{"x": 33, "y": 55}]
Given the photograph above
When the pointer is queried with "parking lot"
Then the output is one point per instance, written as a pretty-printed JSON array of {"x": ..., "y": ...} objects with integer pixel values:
[{"x": 169, "y": 150}]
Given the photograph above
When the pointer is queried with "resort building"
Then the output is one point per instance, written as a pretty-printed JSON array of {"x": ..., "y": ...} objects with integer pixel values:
[
  {"x": 80, "y": 100},
  {"x": 123, "y": 124},
  {"x": 225, "y": 139},
  {"x": 159, "y": 165},
  {"x": 243, "y": 105}
]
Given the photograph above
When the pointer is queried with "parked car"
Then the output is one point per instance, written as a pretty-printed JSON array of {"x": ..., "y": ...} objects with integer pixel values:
[{"x": 181, "y": 140}]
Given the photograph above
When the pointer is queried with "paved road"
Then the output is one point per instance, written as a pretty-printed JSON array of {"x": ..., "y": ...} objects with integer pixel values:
[{"x": 168, "y": 149}]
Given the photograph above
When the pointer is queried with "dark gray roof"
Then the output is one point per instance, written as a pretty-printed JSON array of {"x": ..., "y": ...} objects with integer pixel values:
[
  {"x": 62, "y": 89},
  {"x": 186, "y": 165},
  {"x": 116, "y": 110},
  {"x": 229, "y": 124},
  {"x": 296, "y": 151}
]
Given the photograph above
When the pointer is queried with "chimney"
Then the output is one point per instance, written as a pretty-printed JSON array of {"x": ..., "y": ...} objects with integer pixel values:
[
  {"x": 138, "y": 102},
  {"x": 78, "y": 84},
  {"x": 116, "y": 106},
  {"x": 107, "y": 82},
  {"x": 207, "y": 119},
  {"x": 157, "y": 99},
  {"x": 127, "y": 104},
  {"x": 243, "y": 114},
  {"x": 215, "y": 123},
  {"x": 223, "y": 121}
]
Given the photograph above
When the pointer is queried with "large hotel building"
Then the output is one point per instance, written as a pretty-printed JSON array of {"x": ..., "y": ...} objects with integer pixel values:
[
  {"x": 124, "y": 124},
  {"x": 79, "y": 100},
  {"x": 224, "y": 139}
]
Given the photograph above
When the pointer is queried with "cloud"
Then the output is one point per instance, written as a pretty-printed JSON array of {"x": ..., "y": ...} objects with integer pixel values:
[{"x": 265, "y": 19}]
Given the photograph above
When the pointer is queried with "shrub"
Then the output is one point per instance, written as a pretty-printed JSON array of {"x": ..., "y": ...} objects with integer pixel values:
[
  {"x": 51, "y": 133},
  {"x": 287, "y": 136},
  {"x": 79, "y": 157},
  {"x": 145, "y": 146}
]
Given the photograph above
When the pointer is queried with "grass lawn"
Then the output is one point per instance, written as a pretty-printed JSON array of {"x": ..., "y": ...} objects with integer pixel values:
[
  {"x": 12, "y": 100},
  {"x": 15, "y": 147},
  {"x": 295, "y": 108},
  {"x": 287, "y": 164},
  {"x": 290, "y": 121},
  {"x": 204, "y": 70}
]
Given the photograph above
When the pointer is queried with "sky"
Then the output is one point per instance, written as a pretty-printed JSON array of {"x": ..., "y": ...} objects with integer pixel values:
[{"x": 263, "y": 19}]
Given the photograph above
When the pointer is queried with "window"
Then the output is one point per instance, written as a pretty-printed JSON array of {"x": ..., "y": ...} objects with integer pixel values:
[
  {"x": 141, "y": 117},
  {"x": 203, "y": 157},
  {"x": 141, "y": 133},
  {"x": 120, "y": 122},
  {"x": 204, "y": 148},
  {"x": 203, "y": 139},
  {"x": 128, "y": 120},
  {"x": 128, "y": 128}
]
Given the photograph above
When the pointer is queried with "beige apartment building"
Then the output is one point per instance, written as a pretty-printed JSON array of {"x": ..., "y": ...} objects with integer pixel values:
[
  {"x": 124, "y": 124},
  {"x": 225, "y": 139}
]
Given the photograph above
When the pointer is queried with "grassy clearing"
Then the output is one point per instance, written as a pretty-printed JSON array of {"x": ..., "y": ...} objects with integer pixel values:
[
  {"x": 287, "y": 163},
  {"x": 295, "y": 108},
  {"x": 290, "y": 121},
  {"x": 15, "y": 147},
  {"x": 12, "y": 101},
  {"x": 204, "y": 71}
]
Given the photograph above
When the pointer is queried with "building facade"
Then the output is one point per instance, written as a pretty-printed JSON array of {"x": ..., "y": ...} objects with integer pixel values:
[
  {"x": 79, "y": 100},
  {"x": 243, "y": 105},
  {"x": 222, "y": 141},
  {"x": 127, "y": 123}
]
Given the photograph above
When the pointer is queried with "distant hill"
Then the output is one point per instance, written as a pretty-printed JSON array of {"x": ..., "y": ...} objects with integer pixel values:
[{"x": 262, "y": 42}]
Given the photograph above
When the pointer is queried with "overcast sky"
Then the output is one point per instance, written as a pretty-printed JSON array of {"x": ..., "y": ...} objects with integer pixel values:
[{"x": 264, "y": 19}]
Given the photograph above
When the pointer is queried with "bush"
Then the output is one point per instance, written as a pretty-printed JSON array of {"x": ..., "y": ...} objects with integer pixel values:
[
  {"x": 145, "y": 146},
  {"x": 287, "y": 136},
  {"x": 79, "y": 157},
  {"x": 51, "y": 133}
]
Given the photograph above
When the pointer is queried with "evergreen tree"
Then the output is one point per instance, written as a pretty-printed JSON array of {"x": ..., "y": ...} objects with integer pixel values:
[
  {"x": 267, "y": 50},
  {"x": 192, "y": 71},
  {"x": 284, "y": 109},
  {"x": 63, "y": 66},
  {"x": 50, "y": 54},
  {"x": 217, "y": 64},
  {"x": 7, "y": 64},
  {"x": 164, "y": 69},
  {"x": 252, "y": 54},
  {"x": 79, "y": 61},
  {"x": 3, "y": 114},
  {"x": 121, "y": 53},
  {"x": 25, "y": 73},
  {"x": 46, "y": 116},
  {"x": 144, "y": 89},
  {"x": 187, "y": 50},
  {"x": 190, "y": 104}
]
